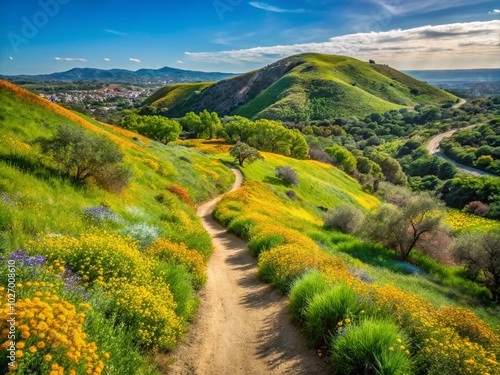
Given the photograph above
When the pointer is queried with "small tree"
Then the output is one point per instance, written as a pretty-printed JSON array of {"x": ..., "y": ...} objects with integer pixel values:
[
  {"x": 243, "y": 152},
  {"x": 480, "y": 252},
  {"x": 83, "y": 155},
  {"x": 287, "y": 175},
  {"x": 344, "y": 218},
  {"x": 402, "y": 227}
]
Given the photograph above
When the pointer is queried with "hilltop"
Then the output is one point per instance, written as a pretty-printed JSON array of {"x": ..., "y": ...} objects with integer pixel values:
[{"x": 304, "y": 87}]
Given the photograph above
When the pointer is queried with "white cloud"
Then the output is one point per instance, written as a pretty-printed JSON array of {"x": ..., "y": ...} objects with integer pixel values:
[
  {"x": 69, "y": 59},
  {"x": 11, "y": 58},
  {"x": 272, "y": 8},
  {"x": 453, "y": 45},
  {"x": 115, "y": 32},
  {"x": 106, "y": 59},
  {"x": 494, "y": 11},
  {"x": 398, "y": 7},
  {"x": 180, "y": 62},
  {"x": 134, "y": 60}
]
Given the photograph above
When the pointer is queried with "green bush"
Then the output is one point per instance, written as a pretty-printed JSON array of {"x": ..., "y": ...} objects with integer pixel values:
[
  {"x": 242, "y": 227},
  {"x": 327, "y": 310},
  {"x": 344, "y": 218},
  {"x": 83, "y": 155},
  {"x": 372, "y": 347},
  {"x": 180, "y": 283},
  {"x": 302, "y": 291}
]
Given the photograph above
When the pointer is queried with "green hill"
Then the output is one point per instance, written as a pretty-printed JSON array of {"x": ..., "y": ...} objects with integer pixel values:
[{"x": 302, "y": 88}]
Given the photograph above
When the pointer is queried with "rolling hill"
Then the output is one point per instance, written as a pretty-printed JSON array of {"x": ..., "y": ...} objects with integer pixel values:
[
  {"x": 141, "y": 76},
  {"x": 304, "y": 87}
]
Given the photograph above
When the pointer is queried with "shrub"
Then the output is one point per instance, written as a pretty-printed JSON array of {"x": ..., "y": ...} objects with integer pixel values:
[
  {"x": 287, "y": 175},
  {"x": 175, "y": 253},
  {"x": 97, "y": 256},
  {"x": 291, "y": 194},
  {"x": 101, "y": 215},
  {"x": 148, "y": 311},
  {"x": 83, "y": 155},
  {"x": 327, "y": 310},
  {"x": 302, "y": 291},
  {"x": 477, "y": 208},
  {"x": 144, "y": 234},
  {"x": 180, "y": 283},
  {"x": 182, "y": 193},
  {"x": 372, "y": 347},
  {"x": 344, "y": 218}
]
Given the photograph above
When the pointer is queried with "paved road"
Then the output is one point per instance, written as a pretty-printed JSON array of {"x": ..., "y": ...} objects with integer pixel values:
[{"x": 433, "y": 147}]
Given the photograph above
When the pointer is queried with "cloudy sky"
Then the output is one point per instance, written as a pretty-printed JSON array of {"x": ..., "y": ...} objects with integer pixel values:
[{"x": 44, "y": 36}]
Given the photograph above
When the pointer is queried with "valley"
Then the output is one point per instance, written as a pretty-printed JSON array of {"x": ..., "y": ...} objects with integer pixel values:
[{"x": 296, "y": 219}]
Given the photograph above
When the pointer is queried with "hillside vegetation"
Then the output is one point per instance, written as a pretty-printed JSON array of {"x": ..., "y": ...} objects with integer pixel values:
[
  {"x": 356, "y": 301},
  {"x": 102, "y": 278},
  {"x": 309, "y": 87}
]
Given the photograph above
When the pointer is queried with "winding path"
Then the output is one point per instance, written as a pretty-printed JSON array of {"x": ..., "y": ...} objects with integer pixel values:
[
  {"x": 433, "y": 147},
  {"x": 242, "y": 326}
]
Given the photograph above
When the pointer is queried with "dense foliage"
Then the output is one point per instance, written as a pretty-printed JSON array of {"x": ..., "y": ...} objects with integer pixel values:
[
  {"x": 478, "y": 147},
  {"x": 159, "y": 128}
]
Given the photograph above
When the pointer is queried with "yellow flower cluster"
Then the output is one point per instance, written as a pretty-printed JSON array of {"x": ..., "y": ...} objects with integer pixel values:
[
  {"x": 461, "y": 220},
  {"x": 448, "y": 340},
  {"x": 50, "y": 328},
  {"x": 178, "y": 253},
  {"x": 97, "y": 256},
  {"x": 148, "y": 311}
]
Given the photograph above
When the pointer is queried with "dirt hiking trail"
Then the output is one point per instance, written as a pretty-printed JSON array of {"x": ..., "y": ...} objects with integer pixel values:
[{"x": 242, "y": 326}]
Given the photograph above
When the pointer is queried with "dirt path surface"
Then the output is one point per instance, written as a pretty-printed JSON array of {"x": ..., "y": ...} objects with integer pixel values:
[
  {"x": 433, "y": 147},
  {"x": 242, "y": 325}
]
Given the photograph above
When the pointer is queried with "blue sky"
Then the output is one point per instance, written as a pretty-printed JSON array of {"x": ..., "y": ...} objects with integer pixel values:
[{"x": 44, "y": 36}]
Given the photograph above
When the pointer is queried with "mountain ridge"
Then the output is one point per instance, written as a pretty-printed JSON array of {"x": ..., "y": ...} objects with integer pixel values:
[
  {"x": 305, "y": 87},
  {"x": 116, "y": 75}
]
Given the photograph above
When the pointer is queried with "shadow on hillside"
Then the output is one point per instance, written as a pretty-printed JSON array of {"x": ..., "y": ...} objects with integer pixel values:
[
  {"x": 34, "y": 167},
  {"x": 274, "y": 181}
]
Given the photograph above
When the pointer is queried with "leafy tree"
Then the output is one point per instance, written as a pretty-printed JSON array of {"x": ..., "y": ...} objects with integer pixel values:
[
  {"x": 191, "y": 122},
  {"x": 159, "y": 128},
  {"x": 210, "y": 124},
  {"x": 480, "y": 252},
  {"x": 402, "y": 227},
  {"x": 243, "y": 152},
  {"x": 237, "y": 128},
  {"x": 298, "y": 147},
  {"x": 344, "y": 158},
  {"x": 83, "y": 155}
]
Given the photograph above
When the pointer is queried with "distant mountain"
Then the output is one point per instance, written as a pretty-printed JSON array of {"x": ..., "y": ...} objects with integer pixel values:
[
  {"x": 302, "y": 88},
  {"x": 166, "y": 74},
  {"x": 459, "y": 75}
]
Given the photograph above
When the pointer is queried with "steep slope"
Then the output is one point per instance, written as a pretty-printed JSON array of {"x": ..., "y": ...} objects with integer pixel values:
[{"x": 312, "y": 87}]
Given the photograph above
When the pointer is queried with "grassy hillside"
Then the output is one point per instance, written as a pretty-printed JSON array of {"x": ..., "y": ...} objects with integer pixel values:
[
  {"x": 172, "y": 96},
  {"x": 123, "y": 266},
  {"x": 311, "y": 87},
  {"x": 438, "y": 322}
]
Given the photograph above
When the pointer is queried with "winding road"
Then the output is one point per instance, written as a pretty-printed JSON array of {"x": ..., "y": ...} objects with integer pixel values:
[
  {"x": 242, "y": 326},
  {"x": 433, "y": 147}
]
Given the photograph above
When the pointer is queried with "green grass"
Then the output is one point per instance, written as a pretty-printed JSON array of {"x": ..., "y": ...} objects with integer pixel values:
[
  {"x": 372, "y": 347},
  {"x": 303, "y": 291}
]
